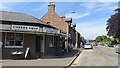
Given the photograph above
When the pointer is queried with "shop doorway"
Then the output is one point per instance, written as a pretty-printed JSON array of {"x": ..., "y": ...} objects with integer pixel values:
[
  {"x": 49, "y": 45},
  {"x": 42, "y": 44},
  {"x": 38, "y": 46}
]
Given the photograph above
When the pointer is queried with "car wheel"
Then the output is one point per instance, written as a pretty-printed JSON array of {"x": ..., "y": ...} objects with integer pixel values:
[{"x": 118, "y": 52}]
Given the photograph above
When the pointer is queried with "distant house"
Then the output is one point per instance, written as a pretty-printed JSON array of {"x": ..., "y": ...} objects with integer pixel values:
[
  {"x": 20, "y": 31},
  {"x": 62, "y": 23}
]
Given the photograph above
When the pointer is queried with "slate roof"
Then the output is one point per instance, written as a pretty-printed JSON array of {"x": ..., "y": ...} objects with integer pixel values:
[{"x": 18, "y": 17}]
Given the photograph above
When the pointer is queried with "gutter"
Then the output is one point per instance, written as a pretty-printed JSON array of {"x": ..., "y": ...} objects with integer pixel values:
[{"x": 75, "y": 56}]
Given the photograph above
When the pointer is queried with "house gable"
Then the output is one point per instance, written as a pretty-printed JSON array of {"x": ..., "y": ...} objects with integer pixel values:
[{"x": 54, "y": 19}]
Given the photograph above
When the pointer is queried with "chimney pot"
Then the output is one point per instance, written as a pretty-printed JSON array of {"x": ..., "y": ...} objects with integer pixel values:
[{"x": 51, "y": 6}]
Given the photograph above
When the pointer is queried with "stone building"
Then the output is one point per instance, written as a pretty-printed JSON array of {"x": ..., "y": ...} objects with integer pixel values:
[
  {"x": 19, "y": 31},
  {"x": 62, "y": 23}
]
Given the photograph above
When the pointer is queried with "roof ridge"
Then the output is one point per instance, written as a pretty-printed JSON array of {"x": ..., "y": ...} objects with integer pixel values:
[
  {"x": 13, "y": 12},
  {"x": 18, "y": 13},
  {"x": 34, "y": 19}
]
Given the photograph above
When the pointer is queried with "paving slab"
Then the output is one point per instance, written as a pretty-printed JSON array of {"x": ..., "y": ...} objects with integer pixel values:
[{"x": 58, "y": 61}]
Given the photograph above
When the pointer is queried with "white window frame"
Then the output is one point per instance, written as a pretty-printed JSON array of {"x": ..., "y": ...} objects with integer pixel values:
[{"x": 14, "y": 42}]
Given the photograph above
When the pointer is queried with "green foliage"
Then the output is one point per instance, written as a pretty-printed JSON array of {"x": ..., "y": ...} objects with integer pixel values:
[
  {"x": 117, "y": 39},
  {"x": 104, "y": 39},
  {"x": 98, "y": 39}
]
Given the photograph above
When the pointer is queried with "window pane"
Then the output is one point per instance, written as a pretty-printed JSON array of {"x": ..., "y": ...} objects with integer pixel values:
[
  {"x": 18, "y": 43},
  {"x": 10, "y": 37},
  {"x": 19, "y": 37},
  {"x": 10, "y": 43},
  {"x": 13, "y": 39}
]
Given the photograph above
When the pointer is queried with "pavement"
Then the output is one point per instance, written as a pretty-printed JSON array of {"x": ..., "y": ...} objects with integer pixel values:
[{"x": 61, "y": 61}]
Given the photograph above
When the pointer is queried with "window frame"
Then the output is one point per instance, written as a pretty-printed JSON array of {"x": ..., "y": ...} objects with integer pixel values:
[{"x": 10, "y": 46}]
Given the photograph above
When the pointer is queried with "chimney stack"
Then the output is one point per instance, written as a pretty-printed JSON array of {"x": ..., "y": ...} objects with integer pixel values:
[{"x": 51, "y": 6}]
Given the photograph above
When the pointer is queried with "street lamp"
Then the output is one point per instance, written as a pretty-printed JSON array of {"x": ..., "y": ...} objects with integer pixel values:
[
  {"x": 72, "y": 12},
  {"x": 119, "y": 4},
  {"x": 67, "y": 13},
  {"x": 67, "y": 45}
]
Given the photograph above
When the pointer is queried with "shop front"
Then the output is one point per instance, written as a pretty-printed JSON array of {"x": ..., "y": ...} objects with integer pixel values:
[
  {"x": 54, "y": 43},
  {"x": 26, "y": 36},
  {"x": 46, "y": 43},
  {"x": 18, "y": 38}
]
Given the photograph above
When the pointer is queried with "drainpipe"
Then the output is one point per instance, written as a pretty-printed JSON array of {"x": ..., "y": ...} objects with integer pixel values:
[
  {"x": 14, "y": 36},
  {"x": 76, "y": 40},
  {"x": 43, "y": 44},
  {"x": 67, "y": 38}
]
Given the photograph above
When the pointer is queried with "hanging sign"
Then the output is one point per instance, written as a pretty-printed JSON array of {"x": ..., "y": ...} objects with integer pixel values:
[{"x": 50, "y": 30}]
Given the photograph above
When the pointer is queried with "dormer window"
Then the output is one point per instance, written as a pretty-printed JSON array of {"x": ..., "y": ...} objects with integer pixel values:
[{"x": 48, "y": 23}]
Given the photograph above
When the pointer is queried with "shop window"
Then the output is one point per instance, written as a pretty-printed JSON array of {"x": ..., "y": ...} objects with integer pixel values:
[{"x": 14, "y": 40}]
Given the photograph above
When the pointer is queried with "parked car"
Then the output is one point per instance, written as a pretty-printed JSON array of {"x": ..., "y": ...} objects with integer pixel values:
[
  {"x": 88, "y": 46},
  {"x": 110, "y": 45},
  {"x": 106, "y": 45},
  {"x": 117, "y": 48}
]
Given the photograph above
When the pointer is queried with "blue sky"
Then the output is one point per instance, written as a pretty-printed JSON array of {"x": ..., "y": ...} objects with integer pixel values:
[{"x": 90, "y": 17}]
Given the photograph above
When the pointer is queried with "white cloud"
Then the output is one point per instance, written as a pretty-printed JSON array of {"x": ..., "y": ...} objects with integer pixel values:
[
  {"x": 106, "y": 0},
  {"x": 76, "y": 15},
  {"x": 90, "y": 7},
  {"x": 40, "y": 7},
  {"x": 98, "y": 6},
  {"x": 8, "y": 6},
  {"x": 107, "y": 8},
  {"x": 91, "y": 29},
  {"x": 2, "y": 6},
  {"x": 61, "y": 0}
]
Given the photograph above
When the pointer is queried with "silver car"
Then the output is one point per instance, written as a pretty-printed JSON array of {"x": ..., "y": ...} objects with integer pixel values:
[
  {"x": 88, "y": 46},
  {"x": 117, "y": 48}
]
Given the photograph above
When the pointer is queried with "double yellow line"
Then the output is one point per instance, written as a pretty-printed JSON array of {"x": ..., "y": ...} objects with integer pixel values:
[{"x": 76, "y": 60}]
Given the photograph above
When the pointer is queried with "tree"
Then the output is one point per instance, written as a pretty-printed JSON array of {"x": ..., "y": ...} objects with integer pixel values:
[
  {"x": 98, "y": 39},
  {"x": 117, "y": 39},
  {"x": 103, "y": 39},
  {"x": 107, "y": 41},
  {"x": 113, "y": 25}
]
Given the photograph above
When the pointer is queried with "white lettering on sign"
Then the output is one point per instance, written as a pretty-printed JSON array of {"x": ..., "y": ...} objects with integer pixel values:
[
  {"x": 50, "y": 30},
  {"x": 26, "y": 28}
]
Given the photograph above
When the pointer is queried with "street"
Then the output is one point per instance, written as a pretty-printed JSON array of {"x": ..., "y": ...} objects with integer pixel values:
[
  {"x": 99, "y": 56},
  {"x": 55, "y": 35}
]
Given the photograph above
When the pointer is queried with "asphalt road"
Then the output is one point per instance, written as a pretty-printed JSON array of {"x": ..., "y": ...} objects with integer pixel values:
[{"x": 99, "y": 56}]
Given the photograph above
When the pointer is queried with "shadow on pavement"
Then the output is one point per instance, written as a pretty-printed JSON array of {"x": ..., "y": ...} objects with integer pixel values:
[{"x": 65, "y": 55}]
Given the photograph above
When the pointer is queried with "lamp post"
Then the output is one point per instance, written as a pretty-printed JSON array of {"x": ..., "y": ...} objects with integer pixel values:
[
  {"x": 68, "y": 44},
  {"x": 119, "y": 4},
  {"x": 67, "y": 13}
]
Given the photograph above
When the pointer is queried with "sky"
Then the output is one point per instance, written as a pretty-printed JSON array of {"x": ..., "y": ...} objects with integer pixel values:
[{"x": 90, "y": 17}]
